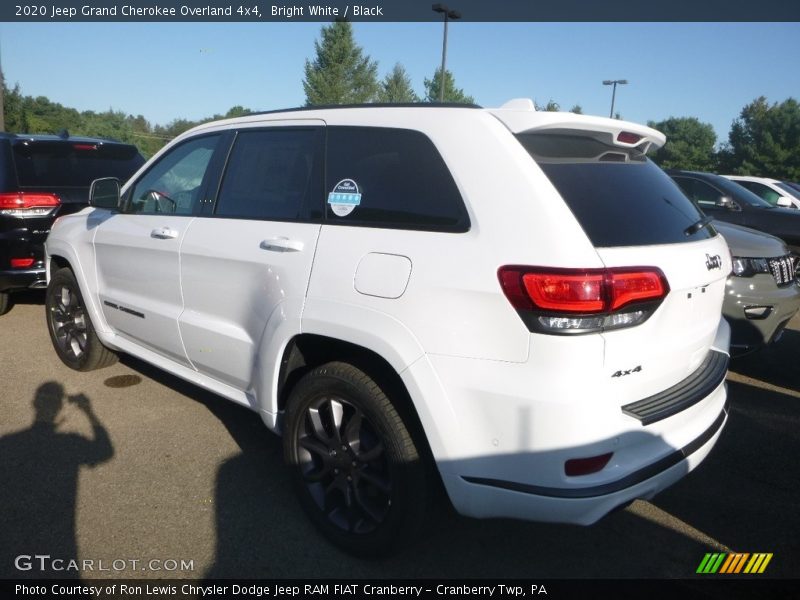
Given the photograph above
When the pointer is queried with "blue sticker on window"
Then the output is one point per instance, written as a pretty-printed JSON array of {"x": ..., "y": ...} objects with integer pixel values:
[{"x": 344, "y": 198}]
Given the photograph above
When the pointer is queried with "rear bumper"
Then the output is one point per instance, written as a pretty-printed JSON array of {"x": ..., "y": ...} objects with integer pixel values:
[
  {"x": 641, "y": 484},
  {"x": 18, "y": 243},
  {"x": 508, "y": 431},
  {"x": 22, "y": 279}
]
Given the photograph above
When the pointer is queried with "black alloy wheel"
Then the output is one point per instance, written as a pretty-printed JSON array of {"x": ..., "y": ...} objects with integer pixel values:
[
  {"x": 356, "y": 468},
  {"x": 70, "y": 326}
]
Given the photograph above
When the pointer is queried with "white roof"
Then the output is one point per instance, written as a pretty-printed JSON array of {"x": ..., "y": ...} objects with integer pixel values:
[{"x": 519, "y": 115}]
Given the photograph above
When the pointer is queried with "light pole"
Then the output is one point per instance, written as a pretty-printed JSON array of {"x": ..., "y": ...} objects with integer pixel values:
[
  {"x": 448, "y": 14},
  {"x": 614, "y": 82}
]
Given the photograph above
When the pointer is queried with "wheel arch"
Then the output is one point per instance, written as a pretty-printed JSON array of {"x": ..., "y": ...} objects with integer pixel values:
[
  {"x": 61, "y": 255},
  {"x": 306, "y": 351}
]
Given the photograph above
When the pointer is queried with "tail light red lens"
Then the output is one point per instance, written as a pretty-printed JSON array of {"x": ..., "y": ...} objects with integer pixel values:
[
  {"x": 583, "y": 300},
  {"x": 636, "y": 286},
  {"x": 28, "y": 204},
  {"x": 566, "y": 292}
]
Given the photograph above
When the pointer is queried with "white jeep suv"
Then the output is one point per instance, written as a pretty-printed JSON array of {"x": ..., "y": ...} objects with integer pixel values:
[{"x": 518, "y": 305}]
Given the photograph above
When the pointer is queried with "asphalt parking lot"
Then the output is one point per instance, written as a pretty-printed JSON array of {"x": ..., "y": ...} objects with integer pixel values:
[{"x": 130, "y": 464}]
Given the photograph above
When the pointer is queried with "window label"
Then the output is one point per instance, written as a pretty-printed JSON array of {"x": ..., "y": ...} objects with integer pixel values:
[{"x": 344, "y": 198}]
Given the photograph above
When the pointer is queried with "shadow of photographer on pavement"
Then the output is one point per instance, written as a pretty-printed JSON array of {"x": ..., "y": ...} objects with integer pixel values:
[{"x": 39, "y": 469}]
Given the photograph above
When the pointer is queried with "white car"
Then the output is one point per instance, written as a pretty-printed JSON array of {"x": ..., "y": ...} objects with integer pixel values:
[
  {"x": 774, "y": 191},
  {"x": 518, "y": 305}
]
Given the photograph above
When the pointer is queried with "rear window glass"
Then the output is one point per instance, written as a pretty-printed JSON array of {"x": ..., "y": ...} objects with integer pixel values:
[
  {"x": 392, "y": 178},
  {"x": 618, "y": 195},
  {"x": 73, "y": 164}
]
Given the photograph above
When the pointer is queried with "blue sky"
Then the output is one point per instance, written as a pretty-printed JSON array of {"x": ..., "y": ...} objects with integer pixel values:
[{"x": 193, "y": 70}]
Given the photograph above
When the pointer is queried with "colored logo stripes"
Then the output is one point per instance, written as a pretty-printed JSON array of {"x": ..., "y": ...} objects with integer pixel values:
[{"x": 737, "y": 562}]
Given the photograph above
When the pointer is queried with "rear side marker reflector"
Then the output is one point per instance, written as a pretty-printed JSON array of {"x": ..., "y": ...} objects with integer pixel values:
[
  {"x": 575, "y": 467},
  {"x": 22, "y": 263}
]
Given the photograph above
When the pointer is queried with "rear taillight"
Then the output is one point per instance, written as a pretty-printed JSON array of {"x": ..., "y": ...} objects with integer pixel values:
[
  {"x": 572, "y": 301},
  {"x": 28, "y": 204}
]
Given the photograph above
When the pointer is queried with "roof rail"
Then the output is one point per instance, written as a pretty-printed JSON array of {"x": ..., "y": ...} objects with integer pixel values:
[{"x": 366, "y": 105}]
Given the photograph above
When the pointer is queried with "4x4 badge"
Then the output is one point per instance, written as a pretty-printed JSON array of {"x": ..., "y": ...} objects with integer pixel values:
[
  {"x": 713, "y": 262},
  {"x": 635, "y": 369}
]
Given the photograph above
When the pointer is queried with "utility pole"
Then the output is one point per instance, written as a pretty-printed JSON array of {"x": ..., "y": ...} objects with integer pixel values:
[
  {"x": 614, "y": 82},
  {"x": 448, "y": 14}
]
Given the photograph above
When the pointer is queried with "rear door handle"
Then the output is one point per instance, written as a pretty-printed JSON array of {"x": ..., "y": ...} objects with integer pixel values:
[
  {"x": 282, "y": 244},
  {"x": 164, "y": 233}
]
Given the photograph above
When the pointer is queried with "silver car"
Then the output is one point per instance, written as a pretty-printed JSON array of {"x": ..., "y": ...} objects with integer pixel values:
[{"x": 762, "y": 292}]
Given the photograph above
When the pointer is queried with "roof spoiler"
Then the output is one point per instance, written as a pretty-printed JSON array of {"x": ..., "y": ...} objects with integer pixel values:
[{"x": 520, "y": 116}]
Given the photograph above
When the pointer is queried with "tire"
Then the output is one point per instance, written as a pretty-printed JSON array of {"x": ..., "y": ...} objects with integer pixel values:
[
  {"x": 354, "y": 464},
  {"x": 71, "y": 330},
  {"x": 5, "y": 302}
]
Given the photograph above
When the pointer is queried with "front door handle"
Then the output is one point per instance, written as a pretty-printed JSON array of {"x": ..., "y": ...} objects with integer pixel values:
[
  {"x": 282, "y": 244},
  {"x": 164, "y": 233}
]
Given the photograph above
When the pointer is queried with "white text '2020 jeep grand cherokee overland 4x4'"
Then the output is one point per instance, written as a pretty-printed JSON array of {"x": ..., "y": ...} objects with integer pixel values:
[{"x": 519, "y": 299}]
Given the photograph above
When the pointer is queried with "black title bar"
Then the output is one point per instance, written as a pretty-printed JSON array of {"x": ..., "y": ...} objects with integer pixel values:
[
  {"x": 278, "y": 11},
  {"x": 731, "y": 588}
]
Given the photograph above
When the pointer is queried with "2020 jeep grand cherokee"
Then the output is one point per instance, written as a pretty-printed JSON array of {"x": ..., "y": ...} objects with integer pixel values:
[{"x": 516, "y": 304}]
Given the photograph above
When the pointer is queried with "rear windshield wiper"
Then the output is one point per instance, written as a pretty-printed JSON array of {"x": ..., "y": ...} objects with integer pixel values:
[{"x": 695, "y": 227}]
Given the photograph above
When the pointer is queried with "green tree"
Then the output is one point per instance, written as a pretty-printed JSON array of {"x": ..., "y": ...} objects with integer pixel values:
[
  {"x": 765, "y": 140},
  {"x": 340, "y": 73},
  {"x": 396, "y": 87},
  {"x": 577, "y": 109},
  {"x": 237, "y": 111},
  {"x": 451, "y": 92},
  {"x": 551, "y": 106},
  {"x": 690, "y": 144},
  {"x": 110, "y": 124},
  {"x": 14, "y": 111}
]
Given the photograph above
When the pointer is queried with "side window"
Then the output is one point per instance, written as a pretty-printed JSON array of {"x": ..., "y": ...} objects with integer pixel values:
[
  {"x": 272, "y": 174},
  {"x": 393, "y": 178},
  {"x": 705, "y": 195},
  {"x": 748, "y": 184},
  {"x": 765, "y": 192},
  {"x": 173, "y": 185}
]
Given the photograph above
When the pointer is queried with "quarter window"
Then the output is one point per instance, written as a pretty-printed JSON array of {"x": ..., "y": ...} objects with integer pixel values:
[
  {"x": 174, "y": 184},
  {"x": 393, "y": 178}
]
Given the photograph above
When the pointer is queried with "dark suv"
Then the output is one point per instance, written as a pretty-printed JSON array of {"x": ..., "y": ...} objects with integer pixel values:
[
  {"x": 43, "y": 177},
  {"x": 728, "y": 201}
]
